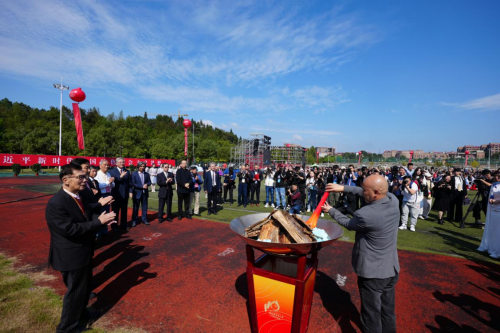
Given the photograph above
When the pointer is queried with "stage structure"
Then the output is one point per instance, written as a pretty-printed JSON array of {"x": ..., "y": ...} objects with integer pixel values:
[{"x": 257, "y": 150}]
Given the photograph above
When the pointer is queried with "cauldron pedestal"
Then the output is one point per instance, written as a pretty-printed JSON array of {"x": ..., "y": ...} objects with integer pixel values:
[{"x": 281, "y": 289}]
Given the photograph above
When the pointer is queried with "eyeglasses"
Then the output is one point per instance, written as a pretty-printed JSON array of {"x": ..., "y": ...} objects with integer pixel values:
[{"x": 82, "y": 177}]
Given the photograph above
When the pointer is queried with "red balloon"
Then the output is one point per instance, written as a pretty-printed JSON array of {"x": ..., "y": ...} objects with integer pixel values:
[
  {"x": 411, "y": 152},
  {"x": 186, "y": 123},
  {"x": 77, "y": 95},
  {"x": 467, "y": 152},
  {"x": 288, "y": 145}
]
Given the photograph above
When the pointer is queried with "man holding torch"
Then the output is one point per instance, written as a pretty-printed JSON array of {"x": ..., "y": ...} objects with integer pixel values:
[{"x": 374, "y": 255}]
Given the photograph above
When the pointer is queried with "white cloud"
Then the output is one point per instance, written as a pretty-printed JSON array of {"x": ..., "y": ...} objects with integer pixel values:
[
  {"x": 207, "y": 122},
  {"x": 488, "y": 103},
  {"x": 298, "y": 137}
]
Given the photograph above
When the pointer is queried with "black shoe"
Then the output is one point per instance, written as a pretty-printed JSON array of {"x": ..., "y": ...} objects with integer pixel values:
[
  {"x": 169, "y": 220},
  {"x": 134, "y": 224},
  {"x": 209, "y": 213},
  {"x": 189, "y": 217},
  {"x": 440, "y": 221},
  {"x": 146, "y": 222},
  {"x": 215, "y": 213},
  {"x": 179, "y": 217},
  {"x": 245, "y": 206},
  {"x": 160, "y": 220}
]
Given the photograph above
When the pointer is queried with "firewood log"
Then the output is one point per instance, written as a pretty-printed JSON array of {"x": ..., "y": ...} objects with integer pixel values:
[{"x": 293, "y": 228}]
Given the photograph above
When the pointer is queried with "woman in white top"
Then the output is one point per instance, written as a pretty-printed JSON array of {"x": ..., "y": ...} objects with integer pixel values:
[
  {"x": 491, "y": 235},
  {"x": 153, "y": 172},
  {"x": 269, "y": 182},
  {"x": 312, "y": 190},
  {"x": 410, "y": 205},
  {"x": 106, "y": 183}
]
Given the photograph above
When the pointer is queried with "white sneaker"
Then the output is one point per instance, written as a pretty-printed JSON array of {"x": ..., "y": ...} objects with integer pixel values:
[
  {"x": 266, "y": 206},
  {"x": 412, "y": 228},
  {"x": 272, "y": 205},
  {"x": 308, "y": 210},
  {"x": 403, "y": 227},
  {"x": 322, "y": 214}
]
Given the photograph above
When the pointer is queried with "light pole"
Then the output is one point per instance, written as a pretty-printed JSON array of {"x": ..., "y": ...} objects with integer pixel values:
[
  {"x": 61, "y": 88},
  {"x": 194, "y": 161}
]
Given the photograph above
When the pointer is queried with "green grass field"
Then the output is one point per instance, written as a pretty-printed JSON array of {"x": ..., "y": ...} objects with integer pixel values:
[{"x": 447, "y": 239}]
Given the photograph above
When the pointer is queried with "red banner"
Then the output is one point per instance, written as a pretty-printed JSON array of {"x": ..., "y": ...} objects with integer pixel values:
[
  {"x": 78, "y": 125},
  {"x": 53, "y": 160},
  {"x": 185, "y": 142}
]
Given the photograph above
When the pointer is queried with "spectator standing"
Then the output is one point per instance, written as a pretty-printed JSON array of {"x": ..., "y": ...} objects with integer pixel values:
[
  {"x": 121, "y": 192},
  {"x": 458, "y": 194},
  {"x": 255, "y": 178},
  {"x": 140, "y": 193},
  {"x": 442, "y": 193},
  {"x": 295, "y": 199},
  {"x": 229, "y": 184},
  {"x": 410, "y": 205},
  {"x": 153, "y": 172},
  {"x": 184, "y": 182},
  {"x": 427, "y": 186},
  {"x": 106, "y": 184},
  {"x": 244, "y": 179},
  {"x": 166, "y": 181},
  {"x": 194, "y": 196},
  {"x": 269, "y": 183},
  {"x": 491, "y": 236},
  {"x": 212, "y": 185},
  {"x": 279, "y": 183},
  {"x": 312, "y": 191}
]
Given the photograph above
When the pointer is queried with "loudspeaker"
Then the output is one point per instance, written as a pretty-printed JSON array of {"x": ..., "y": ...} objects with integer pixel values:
[
  {"x": 267, "y": 157},
  {"x": 255, "y": 147}
]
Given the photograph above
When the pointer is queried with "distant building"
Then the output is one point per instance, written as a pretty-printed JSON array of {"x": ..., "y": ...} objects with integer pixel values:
[
  {"x": 479, "y": 152},
  {"x": 326, "y": 151}
]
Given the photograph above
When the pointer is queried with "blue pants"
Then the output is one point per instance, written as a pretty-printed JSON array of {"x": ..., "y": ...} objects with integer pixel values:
[
  {"x": 143, "y": 200},
  {"x": 312, "y": 199},
  {"x": 280, "y": 197},
  {"x": 242, "y": 193},
  {"x": 295, "y": 209},
  {"x": 269, "y": 193}
]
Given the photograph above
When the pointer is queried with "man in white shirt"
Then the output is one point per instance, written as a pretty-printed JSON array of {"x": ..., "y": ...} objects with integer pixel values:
[{"x": 410, "y": 205}]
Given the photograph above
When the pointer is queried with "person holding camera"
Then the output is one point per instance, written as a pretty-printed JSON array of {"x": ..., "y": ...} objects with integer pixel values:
[
  {"x": 491, "y": 236},
  {"x": 279, "y": 185},
  {"x": 229, "y": 184},
  {"x": 350, "y": 179},
  {"x": 483, "y": 185},
  {"x": 312, "y": 191},
  {"x": 410, "y": 203},
  {"x": 295, "y": 199},
  {"x": 269, "y": 182},
  {"x": 427, "y": 186},
  {"x": 256, "y": 178}
]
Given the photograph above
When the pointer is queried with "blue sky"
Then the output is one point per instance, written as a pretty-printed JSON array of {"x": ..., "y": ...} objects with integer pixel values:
[{"x": 371, "y": 75}]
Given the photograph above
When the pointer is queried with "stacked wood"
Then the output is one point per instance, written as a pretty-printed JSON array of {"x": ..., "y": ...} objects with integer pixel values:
[{"x": 281, "y": 227}]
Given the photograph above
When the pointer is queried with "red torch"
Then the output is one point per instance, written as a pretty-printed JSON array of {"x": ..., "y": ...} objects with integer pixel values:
[
  {"x": 411, "y": 156},
  {"x": 359, "y": 158},
  {"x": 187, "y": 124},
  {"x": 466, "y": 157},
  {"x": 78, "y": 96}
]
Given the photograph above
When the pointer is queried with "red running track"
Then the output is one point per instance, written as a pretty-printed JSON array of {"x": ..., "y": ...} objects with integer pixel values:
[{"x": 178, "y": 277}]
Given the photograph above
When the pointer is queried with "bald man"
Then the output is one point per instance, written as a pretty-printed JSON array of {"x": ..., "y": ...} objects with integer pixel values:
[{"x": 374, "y": 256}]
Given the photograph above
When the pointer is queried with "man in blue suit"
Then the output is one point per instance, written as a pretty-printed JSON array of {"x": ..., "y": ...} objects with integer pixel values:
[
  {"x": 120, "y": 192},
  {"x": 212, "y": 185},
  {"x": 140, "y": 193}
]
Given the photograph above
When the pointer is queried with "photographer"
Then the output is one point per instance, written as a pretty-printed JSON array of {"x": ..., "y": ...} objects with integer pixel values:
[
  {"x": 483, "y": 184},
  {"x": 350, "y": 179},
  {"x": 279, "y": 184},
  {"x": 312, "y": 191},
  {"x": 299, "y": 179},
  {"x": 295, "y": 199},
  {"x": 410, "y": 203},
  {"x": 396, "y": 183},
  {"x": 334, "y": 177}
]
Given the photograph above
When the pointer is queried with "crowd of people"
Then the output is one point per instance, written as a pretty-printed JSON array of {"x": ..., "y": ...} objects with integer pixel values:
[{"x": 93, "y": 199}]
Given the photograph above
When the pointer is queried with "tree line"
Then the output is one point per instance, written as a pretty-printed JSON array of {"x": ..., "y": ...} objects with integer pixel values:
[{"x": 27, "y": 130}]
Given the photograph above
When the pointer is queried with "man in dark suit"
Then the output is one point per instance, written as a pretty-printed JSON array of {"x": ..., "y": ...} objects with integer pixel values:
[
  {"x": 212, "y": 185},
  {"x": 165, "y": 180},
  {"x": 184, "y": 182},
  {"x": 140, "y": 193},
  {"x": 457, "y": 197},
  {"x": 94, "y": 202},
  {"x": 121, "y": 192},
  {"x": 71, "y": 238},
  {"x": 374, "y": 254},
  {"x": 255, "y": 179}
]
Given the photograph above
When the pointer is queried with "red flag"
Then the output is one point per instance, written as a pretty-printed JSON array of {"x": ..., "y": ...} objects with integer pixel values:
[{"x": 78, "y": 125}]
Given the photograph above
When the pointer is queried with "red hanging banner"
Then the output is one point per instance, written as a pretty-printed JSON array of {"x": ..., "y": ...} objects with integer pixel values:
[{"x": 78, "y": 125}]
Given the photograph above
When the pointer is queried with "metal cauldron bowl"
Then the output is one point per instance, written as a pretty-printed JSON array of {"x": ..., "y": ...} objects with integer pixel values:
[{"x": 239, "y": 225}]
